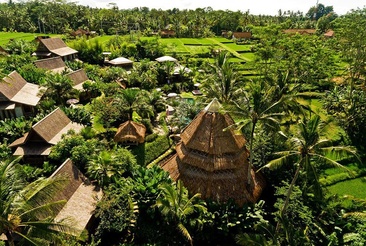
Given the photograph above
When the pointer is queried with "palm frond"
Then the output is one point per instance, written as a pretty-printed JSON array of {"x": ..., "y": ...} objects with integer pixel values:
[
  {"x": 183, "y": 230},
  {"x": 277, "y": 163},
  {"x": 331, "y": 162}
]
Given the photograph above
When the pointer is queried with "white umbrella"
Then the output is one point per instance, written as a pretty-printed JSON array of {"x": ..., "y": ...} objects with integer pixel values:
[
  {"x": 166, "y": 58},
  {"x": 172, "y": 94}
]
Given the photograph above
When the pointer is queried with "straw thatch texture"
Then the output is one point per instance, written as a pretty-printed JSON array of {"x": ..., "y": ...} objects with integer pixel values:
[
  {"x": 212, "y": 160},
  {"x": 15, "y": 88},
  {"x": 78, "y": 78},
  {"x": 55, "y": 46},
  {"x": 51, "y": 127},
  {"x": 80, "y": 194},
  {"x": 130, "y": 132},
  {"x": 54, "y": 64}
]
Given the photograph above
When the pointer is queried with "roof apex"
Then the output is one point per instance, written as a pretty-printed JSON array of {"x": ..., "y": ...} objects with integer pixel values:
[{"x": 213, "y": 106}]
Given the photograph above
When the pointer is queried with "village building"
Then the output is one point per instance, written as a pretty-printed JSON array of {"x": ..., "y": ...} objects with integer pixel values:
[
  {"x": 130, "y": 133},
  {"x": 165, "y": 33},
  {"x": 53, "y": 64},
  {"x": 18, "y": 97},
  {"x": 78, "y": 78},
  {"x": 300, "y": 31},
  {"x": 35, "y": 145},
  {"x": 212, "y": 160},
  {"x": 242, "y": 36},
  {"x": 81, "y": 197},
  {"x": 53, "y": 47}
]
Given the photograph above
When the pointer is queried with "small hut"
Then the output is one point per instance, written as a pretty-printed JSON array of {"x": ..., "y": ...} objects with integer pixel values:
[
  {"x": 81, "y": 197},
  {"x": 52, "y": 47},
  {"x": 212, "y": 160},
  {"x": 35, "y": 145},
  {"x": 121, "y": 62},
  {"x": 18, "y": 97},
  {"x": 54, "y": 64},
  {"x": 78, "y": 78},
  {"x": 130, "y": 133}
]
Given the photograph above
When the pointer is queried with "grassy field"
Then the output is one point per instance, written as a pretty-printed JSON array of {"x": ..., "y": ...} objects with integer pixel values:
[
  {"x": 5, "y": 37},
  {"x": 353, "y": 187}
]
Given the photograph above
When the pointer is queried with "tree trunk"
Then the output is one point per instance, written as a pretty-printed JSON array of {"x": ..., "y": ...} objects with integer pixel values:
[
  {"x": 249, "y": 175},
  {"x": 9, "y": 237}
]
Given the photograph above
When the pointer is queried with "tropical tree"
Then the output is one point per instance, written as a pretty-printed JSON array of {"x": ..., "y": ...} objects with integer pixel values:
[
  {"x": 27, "y": 211},
  {"x": 224, "y": 83},
  {"x": 175, "y": 204},
  {"x": 134, "y": 100},
  {"x": 308, "y": 150},
  {"x": 257, "y": 105}
]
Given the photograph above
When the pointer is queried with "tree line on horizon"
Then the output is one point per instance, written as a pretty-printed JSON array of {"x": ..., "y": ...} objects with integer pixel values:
[{"x": 60, "y": 16}]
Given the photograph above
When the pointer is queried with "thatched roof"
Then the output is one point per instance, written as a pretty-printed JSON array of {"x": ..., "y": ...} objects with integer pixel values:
[
  {"x": 78, "y": 78},
  {"x": 44, "y": 134},
  {"x": 80, "y": 194},
  {"x": 14, "y": 88},
  {"x": 55, "y": 46},
  {"x": 130, "y": 132},
  {"x": 212, "y": 159},
  {"x": 247, "y": 35},
  {"x": 54, "y": 64},
  {"x": 329, "y": 34}
]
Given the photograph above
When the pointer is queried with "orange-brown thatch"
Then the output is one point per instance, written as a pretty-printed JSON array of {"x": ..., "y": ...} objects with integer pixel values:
[
  {"x": 244, "y": 35},
  {"x": 80, "y": 194},
  {"x": 300, "y": 31},
  {"x": 212, "y": 159},
  {"x": 130, "y": 133}
]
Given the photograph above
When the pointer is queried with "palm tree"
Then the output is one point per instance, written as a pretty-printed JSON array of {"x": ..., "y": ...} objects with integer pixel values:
[
  {"x": 224, "y": 83},
  {"x": 176, "y": 206},
  {"x": 27, "y": 211},
  {"x": 257, "y": 105},
  {"x": 307, "y": 150},
  {"x": 135, "y": 100}
]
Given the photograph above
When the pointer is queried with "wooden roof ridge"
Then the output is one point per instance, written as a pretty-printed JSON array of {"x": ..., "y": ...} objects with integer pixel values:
[{"x": 53, "y": 43}]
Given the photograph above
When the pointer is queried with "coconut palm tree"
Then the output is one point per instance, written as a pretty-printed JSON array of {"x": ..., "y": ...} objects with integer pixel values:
[
  {"x": 224, "y": 83},
  {"x": 135, "y": 100},
  {"x": 175, "y": 204},
  {"x": 257, "y": 105},
  {"x": 307, "y": 150},
  {"x": 27, "y": 211}
]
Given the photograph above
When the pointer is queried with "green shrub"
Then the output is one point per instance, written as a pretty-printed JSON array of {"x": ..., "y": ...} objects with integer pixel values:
[
  {"x": 151, "y": 137},
  {"x": 149, "y": 151}
]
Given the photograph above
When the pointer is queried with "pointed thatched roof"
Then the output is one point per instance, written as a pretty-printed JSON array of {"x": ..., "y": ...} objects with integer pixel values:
[
  {"x": 212, "y": 159},
  {"x": 80, "y": 194},
  {"x": 44, "y": 134},
  {"x": 14, "y": 88},
  {"x": 54, "y": 64},
  {"x": 78, "y": 78},
  {"x": 130, "y": 132}
]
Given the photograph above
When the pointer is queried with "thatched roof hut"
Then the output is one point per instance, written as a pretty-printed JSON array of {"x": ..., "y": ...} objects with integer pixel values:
[
  {"x": 130, "y": 133},
  {"x": 300, "y": 31},
  {"x": 212, "y": 159},
  {"x": 81, "y": 196},
  {"x": 15, "y": 88},
  {"x": 54, "y": 64},
  {"x": 52, "y": 47},
  {"x": 121, "y": 62},
  {"x": 44, "y": 134},
  {"x": 78, "y": 78}
]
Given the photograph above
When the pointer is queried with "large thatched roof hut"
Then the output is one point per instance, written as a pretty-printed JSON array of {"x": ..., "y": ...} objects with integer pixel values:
[
  {"x": 212, "y": 159},
  {"x": 78, "y": 78},
  {"x": 130, "y": 133},
  {"x": 81, "y": 197}
]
